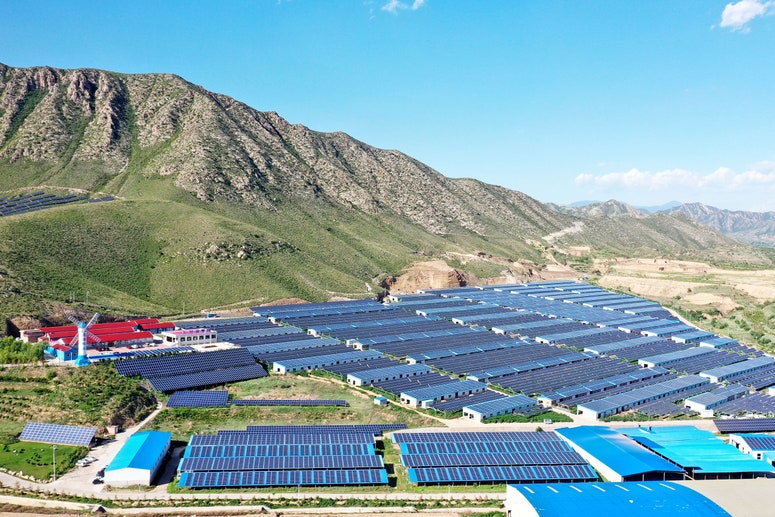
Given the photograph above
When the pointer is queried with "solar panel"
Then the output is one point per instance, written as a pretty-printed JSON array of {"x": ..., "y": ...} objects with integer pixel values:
[
  {"x": 745, "y": 425},
  {"x": 760, "y": 442},
  {"x": 502, "y": 474},
  {"x": 211, "y": 378},
  {"x": 57, "y": 434},
  {"x": 281, "y": 463},
  {"x": 282, "y": 450},
  {"x": 493, "y": 459},
  {"x": 373, "y": 429},
  {"x": 243, "y": 438},
  {"x": 476, "y": 436},
  {"x": 244, "y": 479},
  {"x": 288, "y": 402},
  {"x": 187, "y": 363},
  {"x": 198, "y": 399}
]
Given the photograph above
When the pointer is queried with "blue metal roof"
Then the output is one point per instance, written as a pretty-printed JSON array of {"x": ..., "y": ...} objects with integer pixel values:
[
  {"x": 635, "y": 498},
  {"x": 694, "y": 448},
  {"x": 141, "y": 451},
  {"x": 618, "y": 452}
]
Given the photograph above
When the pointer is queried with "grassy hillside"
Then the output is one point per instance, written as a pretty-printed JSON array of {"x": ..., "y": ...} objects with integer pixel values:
[{"x": 165, "y": 257}]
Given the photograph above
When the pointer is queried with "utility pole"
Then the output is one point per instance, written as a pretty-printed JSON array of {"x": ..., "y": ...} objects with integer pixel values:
[{"x": 54, "y": 448}]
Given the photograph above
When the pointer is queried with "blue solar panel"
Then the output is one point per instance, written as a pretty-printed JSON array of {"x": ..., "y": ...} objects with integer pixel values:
[
  {"x": 502, "y": 474},
  {"x": 491, "y": 459},
  {"x": 288, "y": 402},
  {"x": 373, "y": 429},
  {"x": 475, "y": 436},
  {"x": 57, "y": 434},
  {"x": 245, "y": 479},
  {"x": 284, "y": 456},
  {"x": 211, "y": 378},
  {"x": 198, "y": 399},
  {"x": 186, "y": 363},
  {"x": 745, "y": 425},
  {"x": 242, "y": 438},
  {"x": 281, "y": 463},
  {"x": 282, "y": 450}
]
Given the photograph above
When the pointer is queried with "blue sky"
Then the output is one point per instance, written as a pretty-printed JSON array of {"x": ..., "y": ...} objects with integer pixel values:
[{"x": 641, "y": 101}]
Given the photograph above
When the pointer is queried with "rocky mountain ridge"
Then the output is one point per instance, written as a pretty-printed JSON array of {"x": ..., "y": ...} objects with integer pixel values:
[
  {"x": 218, "y": 148},
  {"x": 749, "y": 227},
  {"x": 294, "y": 212}
]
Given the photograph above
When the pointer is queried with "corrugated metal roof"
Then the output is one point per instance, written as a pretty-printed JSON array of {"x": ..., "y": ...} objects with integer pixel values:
[
  {"x": 694, "y": 448},
  {"x": 617, "y": 451},
  {"x": 141, "y": 451},
  {"x": 647, "y": 499}
]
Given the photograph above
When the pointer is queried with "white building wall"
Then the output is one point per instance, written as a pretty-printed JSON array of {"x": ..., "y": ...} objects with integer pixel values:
[{"x": 128, "y": 477}]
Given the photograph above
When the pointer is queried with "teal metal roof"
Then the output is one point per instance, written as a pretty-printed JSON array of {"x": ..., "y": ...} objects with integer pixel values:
[
  {"x": 634, "y": 499},
  {"x": 141, "y": 451},
  {"x": 696, "y": 449},
  {"x": 617, "y": 451}
]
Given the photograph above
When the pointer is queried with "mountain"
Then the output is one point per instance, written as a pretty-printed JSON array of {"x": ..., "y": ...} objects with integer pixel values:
[
  {"x": 749, "y": 227},
  {"x": 217, "y": 204},
  {"x": 659, "y": 208},
  {"x": 610, "y": 208}
]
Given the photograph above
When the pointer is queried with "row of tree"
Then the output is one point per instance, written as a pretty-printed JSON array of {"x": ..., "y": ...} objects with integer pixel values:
[{"x": 13, "y": 351}]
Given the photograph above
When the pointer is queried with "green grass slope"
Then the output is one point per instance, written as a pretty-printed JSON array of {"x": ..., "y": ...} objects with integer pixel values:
[{"x": 166, "y": 256}]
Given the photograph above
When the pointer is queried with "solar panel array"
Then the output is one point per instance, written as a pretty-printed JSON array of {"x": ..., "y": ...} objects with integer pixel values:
[
  {"x": 181, "y": 372},
  {"x": 57, "y": 434},
  {"x": 142, "y": 352},
  {"x": 490, "y": 457},
  {"x": 218, "y": 398},
  {"x": 755, "y": 403},
  {"x": 268, "y": 456},
  {"x": 289, "y": 402},
  {"x": 36, "y": 201},
  {"x": 569, "y": 315},
  {"x": 761, "y": 442},
  {"x": 745, "y": 425}
]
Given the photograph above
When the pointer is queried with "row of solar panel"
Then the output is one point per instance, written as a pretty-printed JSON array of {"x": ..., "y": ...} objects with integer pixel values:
[
  {"x": 189, "y": 363},
  {"x": 208, "y": 378},
  {"x": 745, "y": 425},
  {"x": 279, "y": 439},
  {"x": 57, "y": 434},
  {"x": 244, "y": 451},
  {"x": 483, "y": 447},
  {"x": 30, "y": 203},
  {"x": 289, "y": 402},
  {"x": 491, "y": 459},
  {"x": 374, "y": 429},
  {"x": 502, "y": 474},
  {"x": 199, "y": 399},
  {"x": 476, "y": 436},
  {"x": 204, "y": 464},
  {"x": 457, "y": 404},
  {"x": 244, "y": 479}
]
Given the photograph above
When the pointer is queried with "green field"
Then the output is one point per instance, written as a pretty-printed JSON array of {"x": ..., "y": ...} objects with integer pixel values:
[
  {"x": 183, "y": 422},
  {"x": 37, "y": 459}
]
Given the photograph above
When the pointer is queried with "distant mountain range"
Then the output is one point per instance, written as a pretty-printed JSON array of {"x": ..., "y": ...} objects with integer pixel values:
[
  {"x": 757, "y": 228},
  {"x": 215, "y": 203}
]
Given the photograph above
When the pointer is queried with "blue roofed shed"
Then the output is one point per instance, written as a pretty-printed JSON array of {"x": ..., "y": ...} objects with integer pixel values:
[
  {"x": 616, "y": 456},
  {"x": 138, "y": 461},
  {"x": 647, "y": 498},
  {"x": 699, "y": 452}
]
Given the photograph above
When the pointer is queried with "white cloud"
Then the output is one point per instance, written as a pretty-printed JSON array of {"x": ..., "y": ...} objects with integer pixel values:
[
  {"x": 736, "y": 16},
  {"x": 752, "y": 189},
  {"x": 393, "y": 6},
  {"x": 762, "y": 173}
]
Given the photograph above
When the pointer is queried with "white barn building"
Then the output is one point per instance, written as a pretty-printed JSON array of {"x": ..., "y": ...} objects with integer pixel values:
[{"x": 139, "y": 460}]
